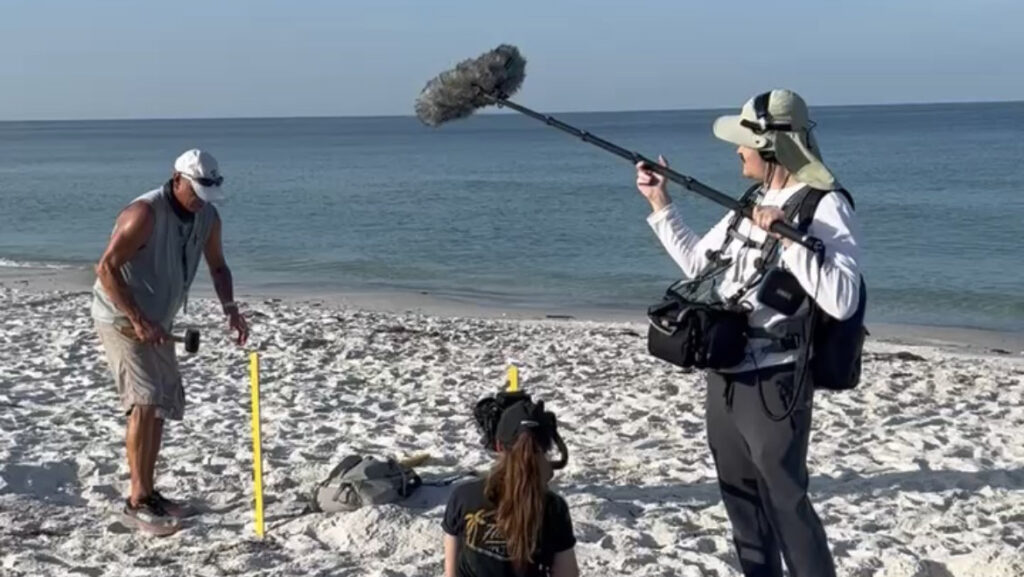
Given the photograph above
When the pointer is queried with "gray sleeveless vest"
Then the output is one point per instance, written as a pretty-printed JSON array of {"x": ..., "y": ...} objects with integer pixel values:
[{"x": 160, "y": 274}]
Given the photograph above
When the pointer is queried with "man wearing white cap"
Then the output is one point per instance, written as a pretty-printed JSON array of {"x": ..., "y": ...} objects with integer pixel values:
[
  {"x": 761, "y": 459},
  {"x": 143, "y": 280}
]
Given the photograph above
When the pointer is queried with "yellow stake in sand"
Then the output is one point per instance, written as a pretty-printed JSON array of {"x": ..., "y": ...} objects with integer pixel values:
[
  {"x": 513, "y": 378},
  {"x": 257, "y": 455}
]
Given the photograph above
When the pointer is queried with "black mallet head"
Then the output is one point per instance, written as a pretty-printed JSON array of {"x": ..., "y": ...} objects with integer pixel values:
[
  {"x": 191, "y": 340},
  {"x": 472, "y": 84}
]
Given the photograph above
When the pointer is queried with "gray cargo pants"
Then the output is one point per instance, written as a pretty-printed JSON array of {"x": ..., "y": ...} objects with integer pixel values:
[{"x": 762, "y": 472}]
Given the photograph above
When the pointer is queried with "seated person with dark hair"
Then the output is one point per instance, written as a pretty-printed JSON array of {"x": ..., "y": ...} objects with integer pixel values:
[{"x": 511, "y": 524}]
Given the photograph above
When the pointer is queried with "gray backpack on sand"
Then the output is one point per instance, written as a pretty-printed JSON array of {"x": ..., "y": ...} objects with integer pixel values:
[{"x": 361, "y": 481}]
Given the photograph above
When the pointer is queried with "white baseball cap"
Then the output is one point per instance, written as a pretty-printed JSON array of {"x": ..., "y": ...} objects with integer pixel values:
[{"x": 202, "y": 172}]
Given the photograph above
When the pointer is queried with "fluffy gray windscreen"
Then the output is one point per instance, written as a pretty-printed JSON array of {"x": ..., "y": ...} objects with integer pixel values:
[{"x": 458, "y": 92}]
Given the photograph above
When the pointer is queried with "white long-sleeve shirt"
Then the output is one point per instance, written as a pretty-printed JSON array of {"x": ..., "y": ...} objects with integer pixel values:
[{"x": 836, "y": 283}]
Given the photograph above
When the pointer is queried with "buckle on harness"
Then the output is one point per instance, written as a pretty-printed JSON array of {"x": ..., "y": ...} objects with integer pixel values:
[
  {"x": 779, "y": 343},
  {"x": 789, "y": 342}
]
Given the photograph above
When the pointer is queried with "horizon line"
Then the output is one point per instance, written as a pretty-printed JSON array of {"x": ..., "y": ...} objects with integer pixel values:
[{"x": 562, "y": 112}]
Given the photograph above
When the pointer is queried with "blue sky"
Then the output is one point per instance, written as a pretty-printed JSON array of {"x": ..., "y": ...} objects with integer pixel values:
[{"x": 230, "y": 58}]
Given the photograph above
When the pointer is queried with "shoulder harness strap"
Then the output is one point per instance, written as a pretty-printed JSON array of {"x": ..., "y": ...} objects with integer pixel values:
[
  {"x": 770, "y": 248},
  {"x": 731, "y": 233},
  {"x": 806, "y": 204}
]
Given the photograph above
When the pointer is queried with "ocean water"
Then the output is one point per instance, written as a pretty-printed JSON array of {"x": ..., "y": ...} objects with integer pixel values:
[{"x": 501, "y": 210}]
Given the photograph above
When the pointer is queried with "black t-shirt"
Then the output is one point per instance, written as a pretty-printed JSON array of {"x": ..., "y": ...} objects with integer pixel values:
[{"x": 482, "y": 552}]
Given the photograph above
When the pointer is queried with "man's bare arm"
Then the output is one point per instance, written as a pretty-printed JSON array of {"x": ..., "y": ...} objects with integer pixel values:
[
  {"x": 219, "y": 271},
  {"x": 222, "y": 281},
  {"x": 133, "y": 228}
]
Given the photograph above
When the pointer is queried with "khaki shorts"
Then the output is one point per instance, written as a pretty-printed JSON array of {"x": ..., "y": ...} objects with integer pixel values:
[{"x": 145, "y": 374}]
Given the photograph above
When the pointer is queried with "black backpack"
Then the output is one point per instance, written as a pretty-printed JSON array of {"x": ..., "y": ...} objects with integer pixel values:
[{"x": 838, "y": 345}]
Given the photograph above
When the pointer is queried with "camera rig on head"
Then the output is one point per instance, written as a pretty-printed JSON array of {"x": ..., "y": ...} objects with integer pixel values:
[{"x": 488, "y": 412}]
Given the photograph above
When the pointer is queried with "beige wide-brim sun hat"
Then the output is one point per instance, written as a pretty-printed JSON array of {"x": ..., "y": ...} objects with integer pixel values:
[{"x": 795, "y": 149}]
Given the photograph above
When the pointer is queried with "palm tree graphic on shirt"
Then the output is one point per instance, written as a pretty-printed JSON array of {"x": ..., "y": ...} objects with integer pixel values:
[{"x": 483, "y": 535}]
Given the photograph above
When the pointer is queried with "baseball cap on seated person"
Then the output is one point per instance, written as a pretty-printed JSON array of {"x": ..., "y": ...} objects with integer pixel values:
[
  {"x": 202, "y": 172},
  {"x": 524, "y": 417}
]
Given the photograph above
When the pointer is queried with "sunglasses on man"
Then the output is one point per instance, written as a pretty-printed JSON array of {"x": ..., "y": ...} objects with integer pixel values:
[{"x": 203, "y": 181}]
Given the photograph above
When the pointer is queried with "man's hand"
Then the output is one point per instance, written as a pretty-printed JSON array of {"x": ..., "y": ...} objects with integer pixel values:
[
  {"x": 148, "y": 332},
  {"x": 237, "y": 323},
  {"x": 143, "y": 331},
  {"x": 765, "y": 216}
]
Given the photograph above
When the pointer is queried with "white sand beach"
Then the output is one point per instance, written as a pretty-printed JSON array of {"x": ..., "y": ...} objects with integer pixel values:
[{"x": 918, "y": 473}]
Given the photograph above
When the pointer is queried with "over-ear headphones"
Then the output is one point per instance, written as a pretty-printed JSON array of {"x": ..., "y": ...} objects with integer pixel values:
[
  {"x": 764, "y": 124},
  {"x": 488, "y": 412}
]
